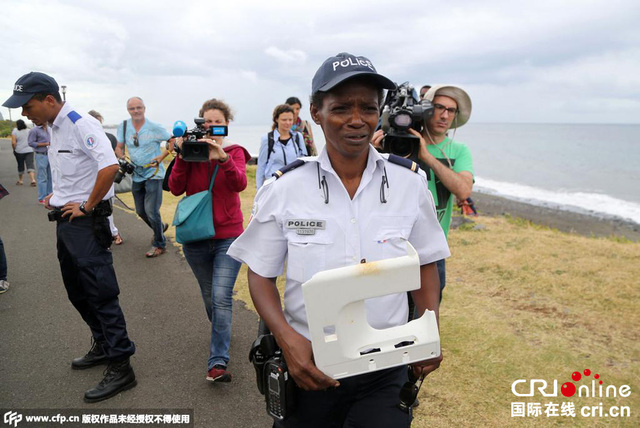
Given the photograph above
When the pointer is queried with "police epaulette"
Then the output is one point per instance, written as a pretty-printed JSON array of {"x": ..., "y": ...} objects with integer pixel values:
[
  {"x": 290, "y": 167},
  {"x": 407, "y": 163},
  {"x": 74, "y": 116}
]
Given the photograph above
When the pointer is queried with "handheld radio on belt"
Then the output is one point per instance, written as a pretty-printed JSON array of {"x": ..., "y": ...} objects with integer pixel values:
[{"x": 272, "y": 376}]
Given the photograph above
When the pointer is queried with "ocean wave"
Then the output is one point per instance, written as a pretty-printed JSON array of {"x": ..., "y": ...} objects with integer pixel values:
[{"x": 596, "y": 204}]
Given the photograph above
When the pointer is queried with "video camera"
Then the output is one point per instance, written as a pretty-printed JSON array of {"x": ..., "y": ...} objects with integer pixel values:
[
  {"x": 124, "y": 168},
  {"x": 401, "y": 111},
  {"x": 193, "y": 150},
  {"x": 272, "y": 375}
]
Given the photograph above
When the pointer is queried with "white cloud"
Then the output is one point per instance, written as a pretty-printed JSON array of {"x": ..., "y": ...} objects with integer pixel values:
[
  {"x": 544, "y": 61},
  {"x": 290, "y": 56}
]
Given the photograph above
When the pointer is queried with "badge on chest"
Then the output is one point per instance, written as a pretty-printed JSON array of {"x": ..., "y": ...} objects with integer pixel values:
[{"x": 306, "y": 227}]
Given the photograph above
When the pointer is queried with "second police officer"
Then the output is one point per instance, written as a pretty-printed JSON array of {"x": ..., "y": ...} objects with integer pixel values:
[{"x": 83, "y": 167}]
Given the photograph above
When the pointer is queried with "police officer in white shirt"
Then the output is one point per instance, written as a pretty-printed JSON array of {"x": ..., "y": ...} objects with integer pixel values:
[
  {"x": 349, "y": 205},
  {"x": 83, "y": 167}
]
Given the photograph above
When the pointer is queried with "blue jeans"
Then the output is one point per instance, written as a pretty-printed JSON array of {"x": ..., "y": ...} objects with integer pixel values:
[
  {"x": 45, "y": 185},
  {"x": 3, "y": 262},
  {"x": 147, "y": 196},
  {"x": 216, "y": 273}
]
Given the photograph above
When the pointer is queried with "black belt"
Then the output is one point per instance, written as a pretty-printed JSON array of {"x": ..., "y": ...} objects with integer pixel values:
[{"x": 102, "y": 209}]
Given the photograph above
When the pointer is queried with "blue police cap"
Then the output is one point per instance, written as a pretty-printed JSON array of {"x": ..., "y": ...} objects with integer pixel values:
[
  {"x": 343, "y": 66},
  {"x": 29, "y": 85}
]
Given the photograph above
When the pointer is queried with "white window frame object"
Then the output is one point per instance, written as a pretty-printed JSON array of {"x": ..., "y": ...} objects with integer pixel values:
[{"x": 341, "y": 337}]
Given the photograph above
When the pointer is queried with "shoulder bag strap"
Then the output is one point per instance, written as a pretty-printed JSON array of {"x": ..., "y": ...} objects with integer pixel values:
[{"x": 213, "y": 177}]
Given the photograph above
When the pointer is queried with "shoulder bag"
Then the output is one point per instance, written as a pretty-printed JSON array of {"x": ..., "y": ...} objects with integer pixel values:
[{"x": 194, "y": 216}]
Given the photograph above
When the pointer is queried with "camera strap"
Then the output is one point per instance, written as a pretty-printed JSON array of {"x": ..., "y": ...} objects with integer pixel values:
[{"x": 155, "y": 165}]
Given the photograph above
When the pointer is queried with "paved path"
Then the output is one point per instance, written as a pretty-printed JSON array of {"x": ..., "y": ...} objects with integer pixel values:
[{"x": 40, "y": 332}]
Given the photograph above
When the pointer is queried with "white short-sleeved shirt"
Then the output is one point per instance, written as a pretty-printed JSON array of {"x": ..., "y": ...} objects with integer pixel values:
[
  {"x": 79, "y": 149},
  {"x": 292, "y": 221}
]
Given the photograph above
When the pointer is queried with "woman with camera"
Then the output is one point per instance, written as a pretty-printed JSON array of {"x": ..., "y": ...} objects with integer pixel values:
[
  {"x": 279, "y": 147},
  {"x": 302, "y": 126},
  {"x": 215, "y": 271}
]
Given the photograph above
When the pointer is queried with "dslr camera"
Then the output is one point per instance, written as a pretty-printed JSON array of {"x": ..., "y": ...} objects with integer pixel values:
[
  {"x": 124, "y": 168},
  {"x": 193, "y": 150},
  {"x": 401, "y": 111},
  {"x": 272, "y": 375}
]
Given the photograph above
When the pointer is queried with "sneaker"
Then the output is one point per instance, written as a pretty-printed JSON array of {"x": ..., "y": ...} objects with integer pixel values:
[
  {"x": 4, "y": 286},
  {"x": 41, "y": 201},
  {"x": 219, "y": 374}
]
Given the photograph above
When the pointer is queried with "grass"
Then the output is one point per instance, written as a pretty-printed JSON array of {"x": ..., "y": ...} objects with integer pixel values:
[
  {"x": 6, "y": 126},
  {"x": 523, "y": 302}
]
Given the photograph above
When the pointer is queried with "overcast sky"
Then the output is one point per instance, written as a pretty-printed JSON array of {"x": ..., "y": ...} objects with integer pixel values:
[{"x": 573, "y": 61}]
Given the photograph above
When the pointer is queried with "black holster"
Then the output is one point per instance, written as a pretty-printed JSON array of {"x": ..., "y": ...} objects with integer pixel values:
[{"x": 99, "y": 221}]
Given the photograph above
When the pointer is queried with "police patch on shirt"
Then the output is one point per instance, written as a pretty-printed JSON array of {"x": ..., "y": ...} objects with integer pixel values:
[
  {"x": 90, "y": 141},
  {"x": 305, "y": 227}
]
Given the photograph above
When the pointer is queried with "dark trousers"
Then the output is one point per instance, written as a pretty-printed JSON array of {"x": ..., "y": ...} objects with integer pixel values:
[
  {"x": 3, "y": 262},
  {"x": 22, "y": 159},
  {"x": 92, "y": 287},
  {"x": 367, "y": 401}
]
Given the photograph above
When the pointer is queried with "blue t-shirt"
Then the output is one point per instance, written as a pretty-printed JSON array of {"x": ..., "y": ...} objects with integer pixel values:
[{"x": 149, "y": 138}]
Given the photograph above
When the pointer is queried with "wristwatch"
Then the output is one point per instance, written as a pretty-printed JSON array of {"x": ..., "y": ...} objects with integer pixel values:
[{"x": 81, "y": 207}]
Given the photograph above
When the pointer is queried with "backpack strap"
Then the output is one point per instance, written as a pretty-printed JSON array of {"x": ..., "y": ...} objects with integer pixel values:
[
  {"x": 297, "y": 138},
  {"x": 270, "y": 144}
]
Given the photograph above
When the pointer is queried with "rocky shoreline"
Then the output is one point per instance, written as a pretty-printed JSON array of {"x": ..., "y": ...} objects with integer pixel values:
[{"x": 566, "y": 221}]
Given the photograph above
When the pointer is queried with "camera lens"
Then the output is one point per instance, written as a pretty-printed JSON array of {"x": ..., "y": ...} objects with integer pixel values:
[{"x": 402, "y": 148}]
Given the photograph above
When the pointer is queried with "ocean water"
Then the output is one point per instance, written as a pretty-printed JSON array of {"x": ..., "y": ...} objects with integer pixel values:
[{"x": 593, "y": 169}]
